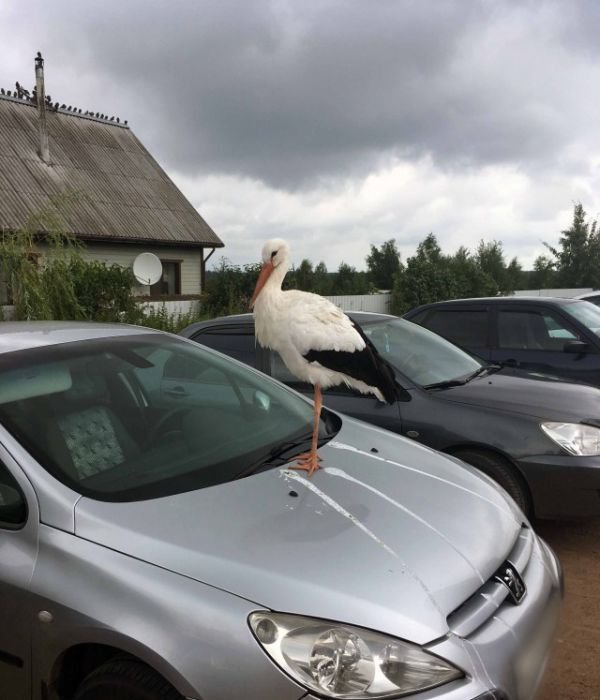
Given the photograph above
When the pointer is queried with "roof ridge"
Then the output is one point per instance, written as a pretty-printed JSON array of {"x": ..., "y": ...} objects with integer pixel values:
[{"x": 66, "y": 112}]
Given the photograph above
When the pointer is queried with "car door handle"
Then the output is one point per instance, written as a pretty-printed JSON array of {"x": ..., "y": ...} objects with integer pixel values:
[{"x": 176, "y": 391}]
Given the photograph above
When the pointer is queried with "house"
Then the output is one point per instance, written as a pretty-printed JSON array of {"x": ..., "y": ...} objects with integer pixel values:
[{"x": 123, "y": 202}]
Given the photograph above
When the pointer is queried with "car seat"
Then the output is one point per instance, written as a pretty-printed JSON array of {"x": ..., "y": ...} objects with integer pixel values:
[{"x": 85, "y": 435}]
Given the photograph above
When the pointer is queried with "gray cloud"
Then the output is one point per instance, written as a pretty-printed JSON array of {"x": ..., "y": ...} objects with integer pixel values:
[{"x": 296, "y": 92}]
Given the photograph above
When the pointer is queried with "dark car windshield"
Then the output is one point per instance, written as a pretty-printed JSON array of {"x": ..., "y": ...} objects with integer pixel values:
[
  {"x": 586, "y": 313},
  {"x": 424, "y": 357},
  {"x": 147, "y": 415}
]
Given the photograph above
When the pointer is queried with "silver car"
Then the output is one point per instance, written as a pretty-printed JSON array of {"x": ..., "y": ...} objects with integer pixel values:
[{"x": 156, "y": 543}]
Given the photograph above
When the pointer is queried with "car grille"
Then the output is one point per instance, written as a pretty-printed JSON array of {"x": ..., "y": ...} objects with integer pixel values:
[{"x": 492, "y": 594}]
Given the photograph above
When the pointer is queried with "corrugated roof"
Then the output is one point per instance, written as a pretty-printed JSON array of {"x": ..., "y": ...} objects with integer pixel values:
[{"x": 122, "y": 192}]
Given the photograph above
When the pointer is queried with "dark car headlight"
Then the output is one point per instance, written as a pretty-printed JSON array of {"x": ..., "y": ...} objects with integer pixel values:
[{"x": 341, "y": 661}]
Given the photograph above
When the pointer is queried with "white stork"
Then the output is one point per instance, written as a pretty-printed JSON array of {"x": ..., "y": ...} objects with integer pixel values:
[{"x": 316, "y": 340}]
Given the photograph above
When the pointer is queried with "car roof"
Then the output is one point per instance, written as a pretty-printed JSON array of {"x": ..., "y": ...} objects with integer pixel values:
[
  {"x": 549, "y": 301},
  {"x": 360, "y": 317},
  {"x": 24, "y": 335}
]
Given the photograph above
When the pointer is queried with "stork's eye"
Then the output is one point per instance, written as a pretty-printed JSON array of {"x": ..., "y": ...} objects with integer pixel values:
[{"x": 273, "y": 254}]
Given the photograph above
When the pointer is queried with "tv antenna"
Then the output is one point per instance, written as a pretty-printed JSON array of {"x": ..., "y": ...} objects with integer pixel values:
[{"x": 147, "y": 268}]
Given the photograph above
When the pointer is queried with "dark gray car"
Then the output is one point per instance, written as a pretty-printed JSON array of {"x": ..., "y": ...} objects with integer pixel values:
[
  {"x": 539, "y": 439},
  {"x": 527, "y": 335},
  {"x": 156, "y": 544}
]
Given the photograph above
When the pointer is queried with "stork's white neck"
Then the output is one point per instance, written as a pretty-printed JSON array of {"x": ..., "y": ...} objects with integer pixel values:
[
  {"x": 273, "y": 285},
  {"x": 269, "y": 303}
]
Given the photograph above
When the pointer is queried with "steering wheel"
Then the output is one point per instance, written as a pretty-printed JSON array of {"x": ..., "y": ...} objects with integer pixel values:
[
  {"x": 158, "y": 428},
  {"x": 411, "y": 363}
]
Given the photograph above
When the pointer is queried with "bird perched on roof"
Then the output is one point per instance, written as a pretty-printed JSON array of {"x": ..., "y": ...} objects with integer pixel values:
[{"x": 317, "y": 342}]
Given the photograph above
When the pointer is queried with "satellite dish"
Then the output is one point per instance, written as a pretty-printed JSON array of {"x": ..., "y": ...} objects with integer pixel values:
[{"x": 147, "y": 268}]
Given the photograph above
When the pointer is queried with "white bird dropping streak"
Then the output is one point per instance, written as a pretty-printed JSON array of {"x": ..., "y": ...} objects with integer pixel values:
[
  {"x": 333, "y": 471},
  {"x": 502, "y": 507},
  {"x": 289, "y": 474}
]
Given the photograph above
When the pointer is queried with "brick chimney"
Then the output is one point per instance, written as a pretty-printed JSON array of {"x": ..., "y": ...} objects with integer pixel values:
[{"x": 41, "y": 105}]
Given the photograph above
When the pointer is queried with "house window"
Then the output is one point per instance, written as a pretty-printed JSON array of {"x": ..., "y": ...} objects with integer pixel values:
[{"x": 170, "y": 282}]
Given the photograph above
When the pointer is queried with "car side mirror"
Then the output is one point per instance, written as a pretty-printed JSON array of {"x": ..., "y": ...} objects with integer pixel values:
[
  {"x": 13, "y": 509},
  {"x": 578, "y": 347}
]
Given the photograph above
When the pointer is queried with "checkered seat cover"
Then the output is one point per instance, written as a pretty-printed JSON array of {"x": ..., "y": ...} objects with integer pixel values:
[{"x": 86, "y": 436}]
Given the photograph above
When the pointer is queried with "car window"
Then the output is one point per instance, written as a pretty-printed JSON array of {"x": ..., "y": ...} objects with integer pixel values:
[
  {"x": 233, "y": 341},
  {"x": 465, "y": 327},
  {"x": 533, "y": 330},
  {"x": 586, "y": 313},
  {"x": 422, "y": 356},
  {"x": 13, "y": 506},
  {"x": 143, "y": 416}
]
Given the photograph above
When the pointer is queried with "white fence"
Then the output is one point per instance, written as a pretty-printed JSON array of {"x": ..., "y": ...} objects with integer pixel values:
[
  {"x": 176, "y": 306},
  {"x": 379, "y": 303},
  {"x": 570, "y": 293}
]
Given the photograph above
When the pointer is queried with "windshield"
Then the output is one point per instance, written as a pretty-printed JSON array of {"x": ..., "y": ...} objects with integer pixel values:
[
  {"x": 423, "y": 356},
  {"x": 586, "y": 313},
  {"x": 140, "y": 416}
]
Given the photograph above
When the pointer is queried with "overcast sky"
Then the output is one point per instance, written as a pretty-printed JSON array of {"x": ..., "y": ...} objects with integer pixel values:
[{"x": 341, "y": 123}]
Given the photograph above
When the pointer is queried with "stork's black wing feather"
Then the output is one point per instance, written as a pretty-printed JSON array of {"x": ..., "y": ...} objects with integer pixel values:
[{"x": 366, "y": 364}]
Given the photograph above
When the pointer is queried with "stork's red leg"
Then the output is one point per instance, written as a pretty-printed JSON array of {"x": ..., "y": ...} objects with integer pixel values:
[{"x": 309, "y": 461}]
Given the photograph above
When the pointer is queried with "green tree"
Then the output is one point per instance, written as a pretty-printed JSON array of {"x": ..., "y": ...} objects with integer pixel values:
[
  {"x": 513, "y": 277},
  {"x": 427, "y": 277},
  {"x": 490, "y": 258},
  {"x": 305, "y": 276},
  {"x": 544, "y": 273},
  {"x": 103, "y": 291},
  {"x": 349, "y": 281},
  {"x": 322, "y": 283},
  {"x": 383, "y": 264},
  {"x": 229, "y": 288},
  {"x": 468, "y": 279},
  {"x": 576, "y": 259}
]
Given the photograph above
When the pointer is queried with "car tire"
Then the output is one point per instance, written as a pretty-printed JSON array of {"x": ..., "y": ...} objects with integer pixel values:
[
  {"x": 502, "y": 472},
  {"x": 125, "y": 679}
]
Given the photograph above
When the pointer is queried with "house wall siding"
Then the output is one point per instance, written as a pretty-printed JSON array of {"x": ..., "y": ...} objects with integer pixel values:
[{"x": 124, "y": 255}]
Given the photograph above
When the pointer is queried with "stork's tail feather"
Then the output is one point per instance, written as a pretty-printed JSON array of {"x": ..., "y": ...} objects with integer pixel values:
[
  {"x": 388, "y": 386},
  {"x": 365, "y": 370},
  {"x": 386, "y": 376}
]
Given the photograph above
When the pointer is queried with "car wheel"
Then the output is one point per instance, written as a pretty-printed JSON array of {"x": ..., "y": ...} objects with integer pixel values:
[
  {"x": 502, "y": 472},
  {"x": 125, "y": 679}
]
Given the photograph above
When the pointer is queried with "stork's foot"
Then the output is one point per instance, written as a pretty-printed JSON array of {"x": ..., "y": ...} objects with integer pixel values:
[{"x": 308, "y": 462}]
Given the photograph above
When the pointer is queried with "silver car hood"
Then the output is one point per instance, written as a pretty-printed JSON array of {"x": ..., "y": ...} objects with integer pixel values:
[{"x": 393, "y": 540}]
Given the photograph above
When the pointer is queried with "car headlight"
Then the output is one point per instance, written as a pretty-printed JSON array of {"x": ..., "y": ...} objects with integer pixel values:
[
  {"x": 575, "y": 438},
  {"x": 341, "y": 661}
]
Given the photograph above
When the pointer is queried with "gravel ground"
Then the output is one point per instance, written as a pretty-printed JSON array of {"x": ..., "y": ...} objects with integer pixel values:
[{"x": 574, "y": 668}]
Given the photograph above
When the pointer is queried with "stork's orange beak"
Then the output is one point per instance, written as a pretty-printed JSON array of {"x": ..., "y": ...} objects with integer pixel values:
[{"x": 265, "y": 272}]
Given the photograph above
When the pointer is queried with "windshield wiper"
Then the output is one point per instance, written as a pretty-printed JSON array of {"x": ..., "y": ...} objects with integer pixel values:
[
  {"x": 486, "y": 369},
  {"x": 284, "y": 452},
  {"x": 464, "y": 380},
  {"x": 446, "y": 384}
]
